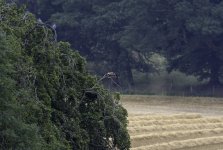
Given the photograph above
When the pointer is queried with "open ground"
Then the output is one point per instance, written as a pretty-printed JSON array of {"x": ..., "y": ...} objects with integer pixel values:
[{"x": 180, "y": 123}]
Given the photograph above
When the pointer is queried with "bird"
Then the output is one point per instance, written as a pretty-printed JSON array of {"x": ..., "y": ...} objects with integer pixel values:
[
  {"x": 40, "y": 21},
  {"x": 111, "y": 75},
  {"x": 25, "y": 15},
  {"x": 54, "y": 26}
]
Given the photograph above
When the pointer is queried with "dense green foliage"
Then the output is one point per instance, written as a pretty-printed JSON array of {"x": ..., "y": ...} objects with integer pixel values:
[
  {"x": 47, "y": 99},
  {"x": 124, "y": 33},
  {"x": 188, "y": 32},
  {"x": 94, "y": 29}
]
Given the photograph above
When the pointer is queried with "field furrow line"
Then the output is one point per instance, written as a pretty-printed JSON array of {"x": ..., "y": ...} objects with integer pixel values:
[
  {"x": 163, "y": 117},
  {"x": 175, "y": 127},
  {"x": 171, "y": 122},
  {"x": 154, "y": 138},
  {"x": 207, "y": 143}
]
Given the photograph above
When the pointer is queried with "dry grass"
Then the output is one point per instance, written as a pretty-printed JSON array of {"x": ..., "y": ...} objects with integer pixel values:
[
  {"x": 168, "y": 123},
  {"x": 154, "y": 138},
  {"x": 175, "y": 127},
  {"x": 174, "y": 99},
  {"x": 206, "y": 144},
  {"x": 164, "y": 117},
  {"x": 140, "y": 104}
]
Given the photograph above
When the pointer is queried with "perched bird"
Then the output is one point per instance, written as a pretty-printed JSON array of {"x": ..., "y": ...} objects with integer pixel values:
[
  {"x": 54, "y": 26},
  {"x": 111, "y": 75},
  {"x": 40, "y": 21},
  {"x": 25, "y": 15}
]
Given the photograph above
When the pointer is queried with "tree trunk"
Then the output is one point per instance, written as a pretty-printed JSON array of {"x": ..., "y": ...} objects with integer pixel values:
[
  {"x": 214, "y": 76},
  {"x": 122, "y": 66},
  {"x": 125, "y": 75},
  {"x": 129, "y": 74},
  {"x": 127, "y": 70}
]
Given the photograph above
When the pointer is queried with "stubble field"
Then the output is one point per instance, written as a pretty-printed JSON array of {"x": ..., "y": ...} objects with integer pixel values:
[{"x": 180, "y": 123}]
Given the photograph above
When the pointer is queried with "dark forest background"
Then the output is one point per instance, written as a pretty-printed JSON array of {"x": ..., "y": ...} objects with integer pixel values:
[{"x": 144, "y": 41}]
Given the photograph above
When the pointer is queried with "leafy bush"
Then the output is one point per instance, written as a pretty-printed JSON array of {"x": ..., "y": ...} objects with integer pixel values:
[{"x": 48, "y": 100}]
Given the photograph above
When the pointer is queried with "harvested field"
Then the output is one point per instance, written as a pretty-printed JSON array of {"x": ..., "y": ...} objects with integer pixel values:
[{"x": 174, "y": 123}]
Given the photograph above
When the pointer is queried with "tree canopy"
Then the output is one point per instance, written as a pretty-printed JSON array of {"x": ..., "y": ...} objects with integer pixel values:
[
  {"x": 125, "y": 33},
  {"x": 48, "y": 100},
  {"x": 94, "y": 29},
  {"x": 187, "y": 32}
]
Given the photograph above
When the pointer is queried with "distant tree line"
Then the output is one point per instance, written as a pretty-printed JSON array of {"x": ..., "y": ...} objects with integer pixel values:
[
  {"x": 121, "y": 35},
  {"x": 48, "y": 101}
]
